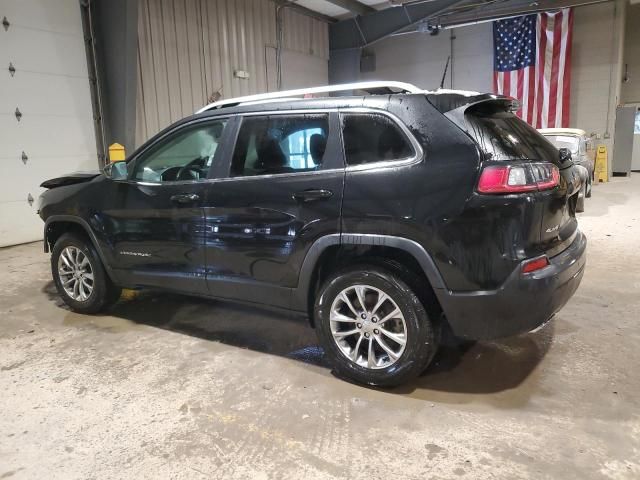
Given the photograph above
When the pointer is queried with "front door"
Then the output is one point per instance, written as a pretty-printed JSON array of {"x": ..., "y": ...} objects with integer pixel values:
[
  {"x": 157, "y": 224},
  {"x": 283, "y": 192}
]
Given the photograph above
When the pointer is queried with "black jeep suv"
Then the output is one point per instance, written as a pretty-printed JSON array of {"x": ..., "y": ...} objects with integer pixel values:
[{"x": 387, "y": 219}]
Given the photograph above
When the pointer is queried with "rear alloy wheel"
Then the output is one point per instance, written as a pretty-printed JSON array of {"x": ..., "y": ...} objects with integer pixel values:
[
  {"x": 371, "y": 336},
  {"x": 80, "y": 276},
  {"x": 373, "y": 327}
]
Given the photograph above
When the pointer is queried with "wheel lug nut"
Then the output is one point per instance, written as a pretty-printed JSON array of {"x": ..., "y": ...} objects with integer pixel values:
[
  {"x": 376, "y": 331},
  {"x": 359, "y": 325},
  {"x": 366, "y": 334},
  {"x": 374, "y": 319},
  {"x": 363, "y": 316}
]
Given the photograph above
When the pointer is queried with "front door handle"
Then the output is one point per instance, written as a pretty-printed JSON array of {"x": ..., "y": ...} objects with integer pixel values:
[
  {"x": 311, "y": 195},
  {"x": 185, "y": 198}
]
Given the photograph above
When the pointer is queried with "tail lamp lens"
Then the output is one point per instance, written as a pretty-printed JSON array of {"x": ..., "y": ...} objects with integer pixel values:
[
  {"x": 518, "y": 178},
  {"x": 535, "y": 264}
]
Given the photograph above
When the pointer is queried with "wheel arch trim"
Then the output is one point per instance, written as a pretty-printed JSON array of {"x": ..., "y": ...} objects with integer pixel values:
[
  {"x": 86, "y": 227},
  {"x": 301, "y": 294}
]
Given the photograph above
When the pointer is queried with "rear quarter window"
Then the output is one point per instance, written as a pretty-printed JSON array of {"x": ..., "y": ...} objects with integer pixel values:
[{"x": 373, "y": 137}]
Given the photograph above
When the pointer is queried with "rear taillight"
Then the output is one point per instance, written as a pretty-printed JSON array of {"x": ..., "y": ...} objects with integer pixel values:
[
  {"x": 518, "y": 178},
  {"x": 535, "y": 264}
]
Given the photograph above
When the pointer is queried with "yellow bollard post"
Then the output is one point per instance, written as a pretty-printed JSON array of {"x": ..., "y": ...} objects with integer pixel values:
[
  {"x": 601, "y": 169},
  {"x": 116, "y": 152}
]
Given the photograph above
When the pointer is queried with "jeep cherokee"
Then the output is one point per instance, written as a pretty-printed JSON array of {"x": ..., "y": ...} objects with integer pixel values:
[{"x": 386, "y": 219}]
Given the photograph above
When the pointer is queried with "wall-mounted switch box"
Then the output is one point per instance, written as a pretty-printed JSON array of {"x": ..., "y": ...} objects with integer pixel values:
[{"x": 241, "y": 74}]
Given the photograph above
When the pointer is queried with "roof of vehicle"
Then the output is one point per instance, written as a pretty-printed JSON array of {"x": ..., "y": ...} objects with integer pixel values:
[
  {"x": 377, "y": 87},
  {"x": 577, "y": 132},
  {"x": 372, "y": 88}
]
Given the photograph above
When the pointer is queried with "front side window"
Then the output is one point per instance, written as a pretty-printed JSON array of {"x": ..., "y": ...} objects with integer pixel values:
[
  {"x": 372, "y": 137},
  {"x": 276, "y": 144},
  {"x": 184, "y": 155}
]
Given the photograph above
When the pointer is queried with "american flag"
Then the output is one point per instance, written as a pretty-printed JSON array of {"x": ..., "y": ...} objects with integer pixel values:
[{"x": 532, "y": 62}]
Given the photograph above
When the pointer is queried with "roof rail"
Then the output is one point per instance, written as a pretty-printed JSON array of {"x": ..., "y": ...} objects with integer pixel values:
[{"x": 369, "y": 87}]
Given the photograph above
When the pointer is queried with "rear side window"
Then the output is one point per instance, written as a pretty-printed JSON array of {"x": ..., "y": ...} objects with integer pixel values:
[
  {"x": 275, "y": 144},
  {"x": 372, "y": 137}
]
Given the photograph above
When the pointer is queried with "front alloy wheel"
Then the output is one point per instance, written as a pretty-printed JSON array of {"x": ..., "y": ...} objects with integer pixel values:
[
  {"x": 76, "y": 273},
  {"x": 80, "y": 276}
]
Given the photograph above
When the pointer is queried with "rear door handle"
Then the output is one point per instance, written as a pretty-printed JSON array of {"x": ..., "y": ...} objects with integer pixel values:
[
  {"x": 185, "y": 198},
  {"x": 311, "y": 195}
]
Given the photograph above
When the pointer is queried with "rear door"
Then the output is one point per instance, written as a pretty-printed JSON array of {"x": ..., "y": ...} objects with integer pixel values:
[{"x": 282, "y": 192}]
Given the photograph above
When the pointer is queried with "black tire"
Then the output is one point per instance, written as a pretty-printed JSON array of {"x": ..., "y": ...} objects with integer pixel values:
[
  {"x": 421, "y": 331},
  {"x": 104, "y": 292},
  {"x": 589, "y": 187}
]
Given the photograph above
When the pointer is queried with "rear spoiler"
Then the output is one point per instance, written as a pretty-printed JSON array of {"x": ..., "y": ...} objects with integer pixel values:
[{"x": 454, "y": 105}]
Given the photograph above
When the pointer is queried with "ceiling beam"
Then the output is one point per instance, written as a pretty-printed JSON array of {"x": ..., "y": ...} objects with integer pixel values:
[
  {"x": 305, "y": 11},
  {"x": 353, "y": 6},
  {"x": 492, "y": 11},
  {"x": 364, "y": 30}
]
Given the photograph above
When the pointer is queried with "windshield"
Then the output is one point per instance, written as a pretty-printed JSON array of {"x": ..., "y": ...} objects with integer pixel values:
[
  {"x": 564, "y": 141},
  {"x": 504, "y": 136}
]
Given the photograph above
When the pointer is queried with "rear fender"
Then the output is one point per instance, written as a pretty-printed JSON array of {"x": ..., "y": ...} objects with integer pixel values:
[{"x": 302, "y": 294}]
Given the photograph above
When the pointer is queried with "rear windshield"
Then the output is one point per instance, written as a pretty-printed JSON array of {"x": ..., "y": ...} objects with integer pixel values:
[{"x": 503, "y": 136}]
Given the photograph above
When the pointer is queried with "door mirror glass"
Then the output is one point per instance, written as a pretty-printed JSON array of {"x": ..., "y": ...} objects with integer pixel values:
[
  {"x": 565, "y": 154},
  {"x": 116, "y": 170}
]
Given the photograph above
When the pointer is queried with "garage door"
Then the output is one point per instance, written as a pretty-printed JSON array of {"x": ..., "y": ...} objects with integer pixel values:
[{"x": 53, "y": 132}]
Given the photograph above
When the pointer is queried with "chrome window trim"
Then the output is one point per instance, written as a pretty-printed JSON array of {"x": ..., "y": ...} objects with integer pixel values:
[{"x": 416, "y": 158}]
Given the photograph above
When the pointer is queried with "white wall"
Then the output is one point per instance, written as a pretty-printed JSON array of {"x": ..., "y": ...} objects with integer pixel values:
[
  {"x": 631, "y": 89},
  {"x": 420, "y": 58},
  {"x": 45, "y": 43},
  {"x": 598, "y": 33},
  {"x": 595, "y": 72}
]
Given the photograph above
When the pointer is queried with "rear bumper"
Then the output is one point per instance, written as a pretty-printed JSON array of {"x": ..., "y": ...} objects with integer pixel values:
[{"x": 522, "y": 303}]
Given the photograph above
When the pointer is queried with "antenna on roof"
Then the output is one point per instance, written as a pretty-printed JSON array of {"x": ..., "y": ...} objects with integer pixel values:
[{"x": 444, "y": 75}]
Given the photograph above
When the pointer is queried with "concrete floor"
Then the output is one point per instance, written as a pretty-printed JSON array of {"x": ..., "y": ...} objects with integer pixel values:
[{"x": 173, "y": 387}]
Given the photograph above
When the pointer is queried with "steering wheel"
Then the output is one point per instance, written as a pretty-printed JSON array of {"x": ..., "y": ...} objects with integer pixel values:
[{"x": 188, "y": 168}]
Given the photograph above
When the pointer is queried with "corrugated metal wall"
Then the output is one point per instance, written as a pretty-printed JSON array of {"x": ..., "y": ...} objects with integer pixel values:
[
  {"x": 304, "y": 34},
  {"x": 188, "y": 51}
]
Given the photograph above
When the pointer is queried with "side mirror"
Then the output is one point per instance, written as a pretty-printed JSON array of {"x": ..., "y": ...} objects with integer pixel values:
[
  {"x": 565, "y": 155},
  {"x": 116, "y": 170}
]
